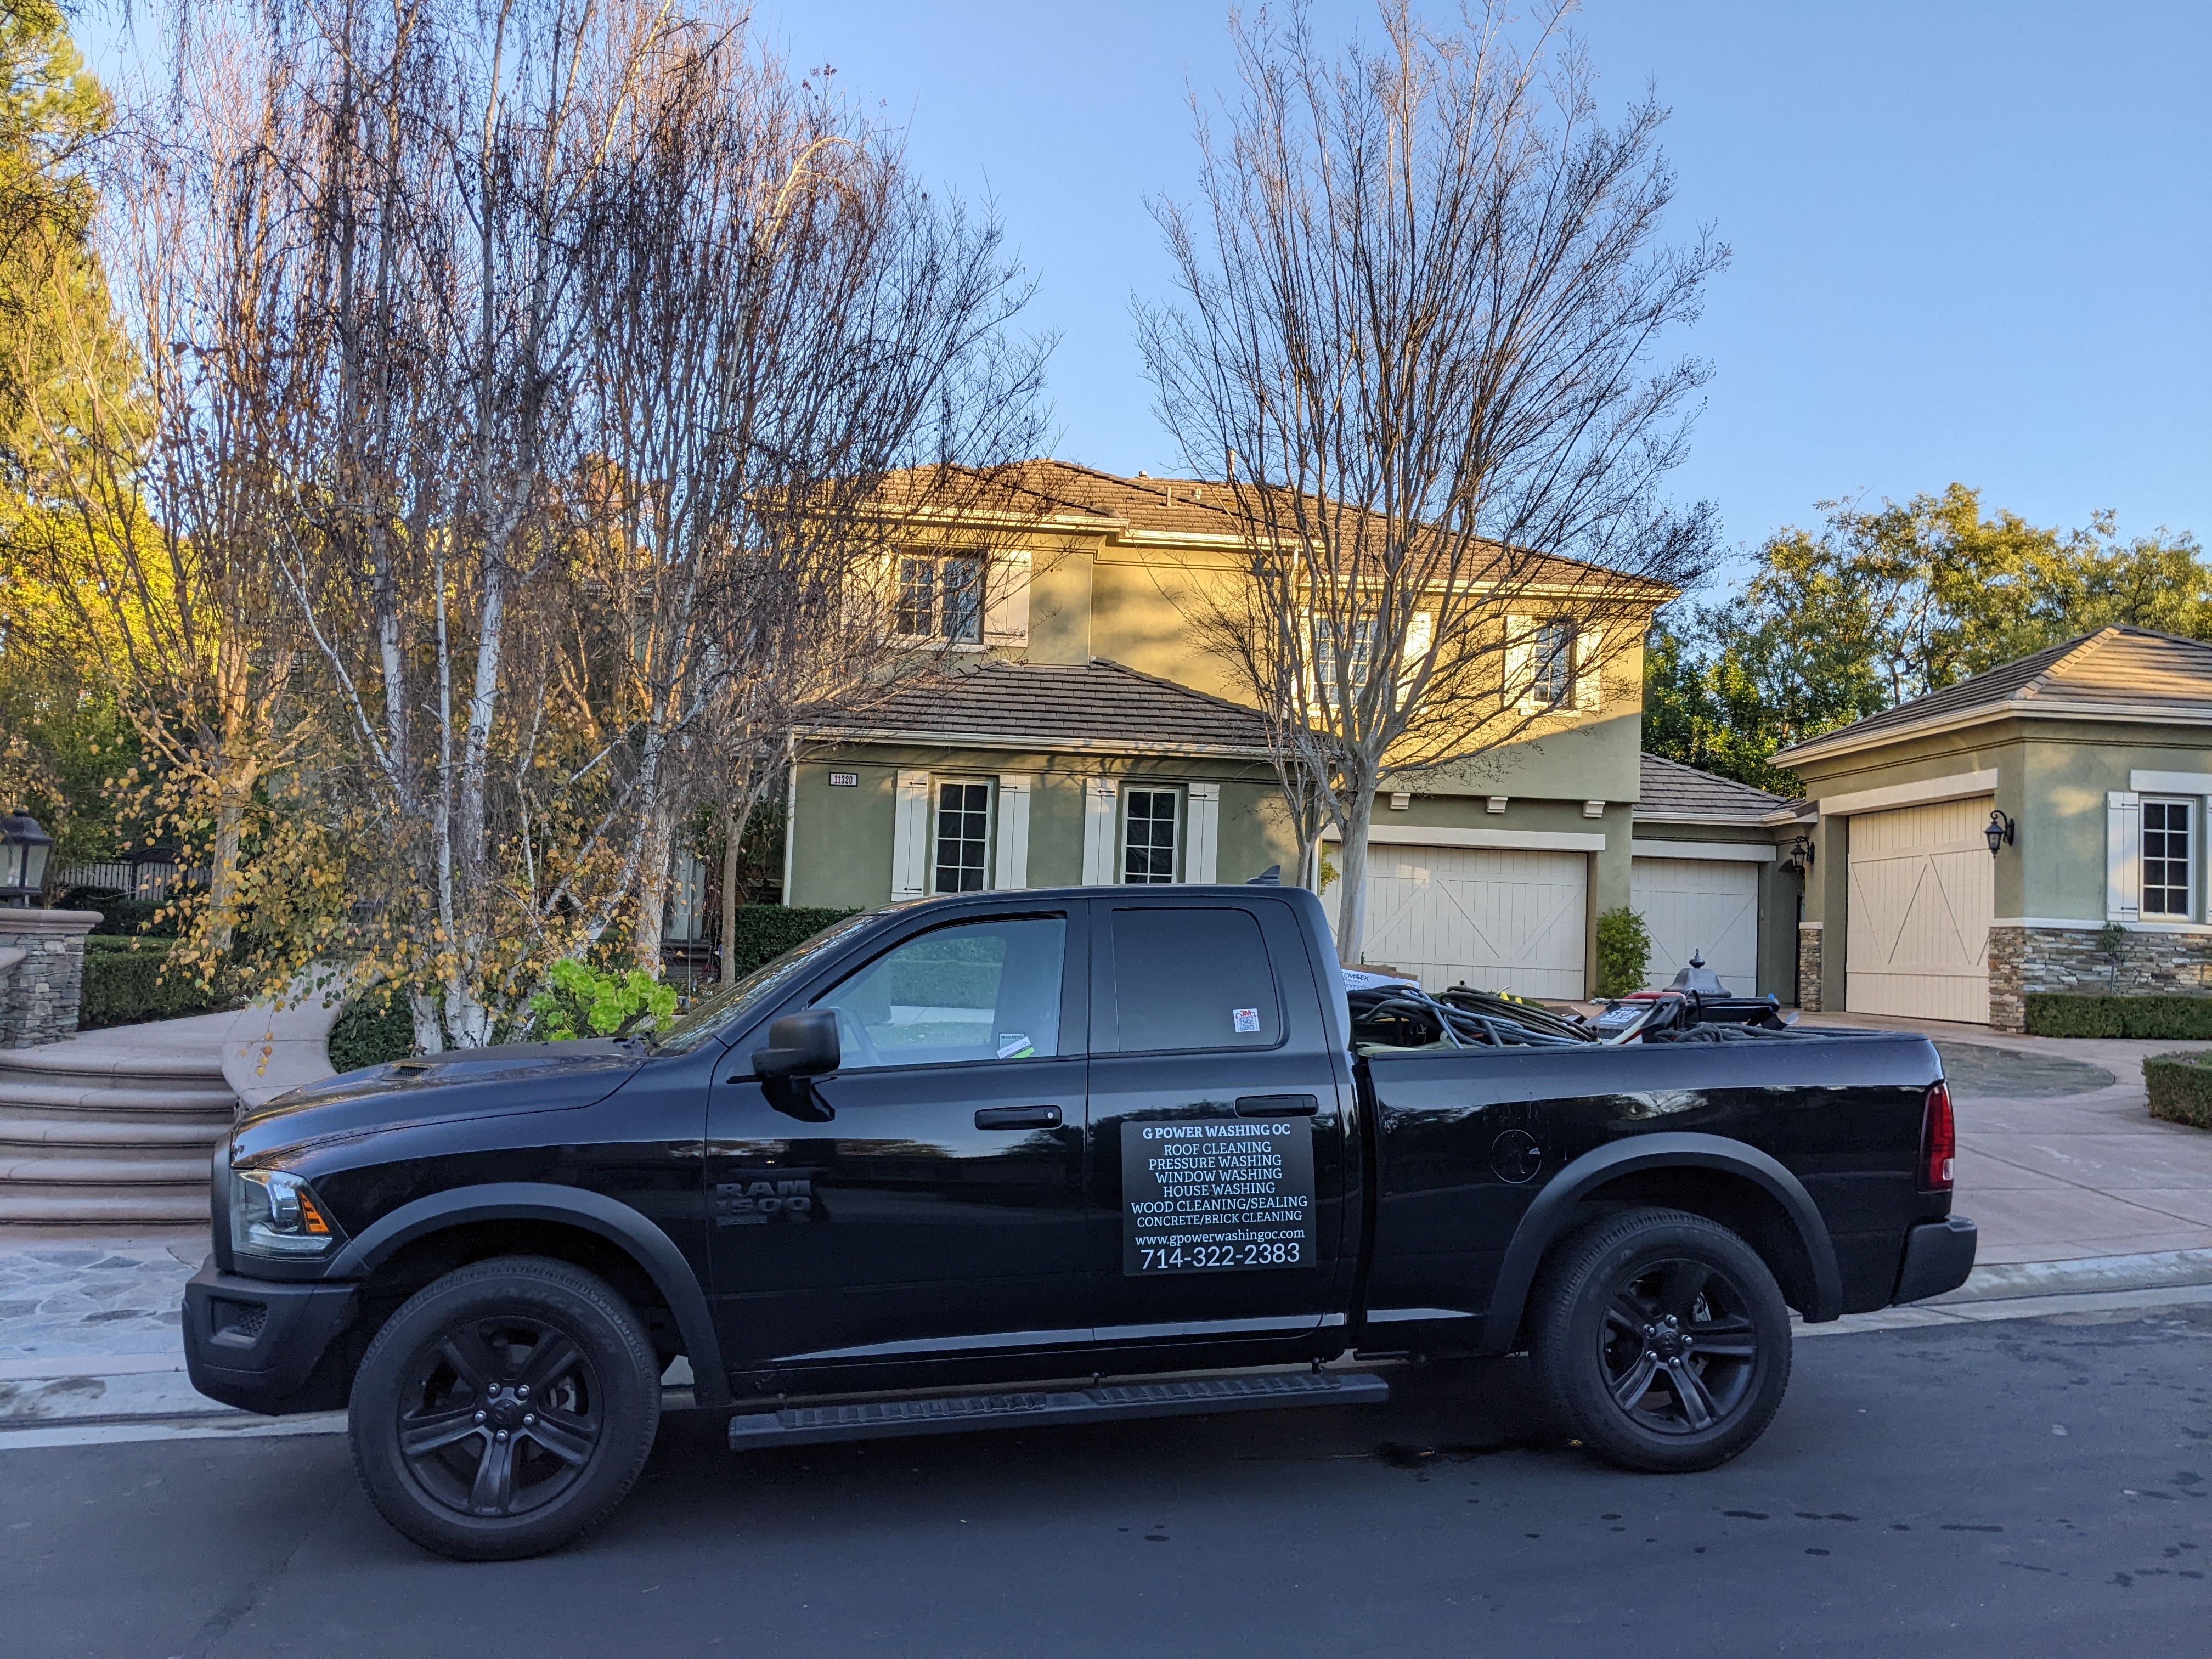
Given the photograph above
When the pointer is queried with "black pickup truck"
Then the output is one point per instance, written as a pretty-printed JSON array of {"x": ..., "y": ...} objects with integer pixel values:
[{"x": 1029, "y": 1158}]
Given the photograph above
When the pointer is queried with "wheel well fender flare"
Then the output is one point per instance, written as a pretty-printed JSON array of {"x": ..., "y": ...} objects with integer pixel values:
[
  {"x": 634, "y": 1234},
  {"x": 1551, "y": 1213}
]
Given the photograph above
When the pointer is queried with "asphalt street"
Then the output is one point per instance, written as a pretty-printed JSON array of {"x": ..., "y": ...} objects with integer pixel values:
[{"x": 2029, "y": 1487}]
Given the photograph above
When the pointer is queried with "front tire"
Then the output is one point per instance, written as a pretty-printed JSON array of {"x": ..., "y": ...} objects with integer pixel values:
[
  {"x": 505, "y": 1409},
  {"x": 1664, "y": 1339}
]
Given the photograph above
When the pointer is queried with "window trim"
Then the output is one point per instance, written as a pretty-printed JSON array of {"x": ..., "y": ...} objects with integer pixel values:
[
  {"x": 1178, "y": 831},
  {"x": 1564, "y": 697},
  {"x": 2193, "y": 808},
  {"x": 936, "y": 782}
]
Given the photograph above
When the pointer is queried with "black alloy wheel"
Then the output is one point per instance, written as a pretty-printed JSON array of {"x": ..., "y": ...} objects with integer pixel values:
[
  {"x": 504, "y": 1408},
  {"x": 499, "y": 1416},
  {"x": 1664, "y": 1339}
]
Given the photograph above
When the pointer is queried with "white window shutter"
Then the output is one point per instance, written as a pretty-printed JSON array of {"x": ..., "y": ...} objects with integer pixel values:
[
  {"x": 1204, "y": 815},
  {"x": 910, "y": 837},
  {"x": 1521, "y": 663},
  {"x": 1100, "y": 797},
  {"x": 1011, "y": 868},
  {"x": 1590, "y": 658},
  {"x": 1006, "y": 609},
  {"x": 2123, "y": 855}
]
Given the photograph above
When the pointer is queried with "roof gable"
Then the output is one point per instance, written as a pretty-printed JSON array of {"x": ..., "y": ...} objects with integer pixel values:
[{"x": 2115, "y": 673}]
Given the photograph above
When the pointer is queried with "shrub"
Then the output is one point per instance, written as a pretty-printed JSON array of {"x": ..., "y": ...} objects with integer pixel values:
[
  {"x": 581, "y": 1001},
  {"x": 1623, "y": 952},
  {"x": 375, "y": 1030},
  {"x": 127, "y": 985},
  {"x": 2180, "y": 1087},
  {"x": 765, "y": 931},
  {"x": 118, "y": 915},
  {"x": 2158, "y": 1019}
]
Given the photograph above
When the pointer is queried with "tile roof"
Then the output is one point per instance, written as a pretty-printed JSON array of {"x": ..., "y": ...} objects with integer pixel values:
[
  {"x": 2115, "y": 671},
  {"x": 1670, "y": 790},
  {"x": 1057, "y": 491},
  {"x": 1096, "y": 705}
]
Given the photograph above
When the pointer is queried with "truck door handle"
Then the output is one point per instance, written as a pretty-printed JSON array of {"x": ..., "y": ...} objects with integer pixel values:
[
  {"x": 1017, "y": 1117},
  {"x": 1277, "y": 1106}
]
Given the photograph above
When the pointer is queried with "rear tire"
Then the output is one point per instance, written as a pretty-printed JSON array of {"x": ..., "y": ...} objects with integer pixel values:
[
  {"x": 505, "y": 1409},
  {"x": 1662, "y": 1339}
]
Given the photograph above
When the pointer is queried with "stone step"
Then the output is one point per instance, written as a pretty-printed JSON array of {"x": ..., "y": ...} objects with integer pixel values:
[
  {"x": 41, "y": 1170},
  {"x": 103, "y": 1208},
  {"x": 174, "y": 1135},
  {"x": 87, "y": 1057},
  {"x": 194, "y": 1099}
]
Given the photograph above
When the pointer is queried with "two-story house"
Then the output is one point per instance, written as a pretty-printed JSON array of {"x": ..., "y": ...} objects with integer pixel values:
[{"x": 1077, "y": 734}]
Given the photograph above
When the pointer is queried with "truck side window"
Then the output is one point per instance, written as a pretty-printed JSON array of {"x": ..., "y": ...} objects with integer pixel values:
[
  {"x": 1193, "y": 979},
  {"x": 985, "y": 990}
]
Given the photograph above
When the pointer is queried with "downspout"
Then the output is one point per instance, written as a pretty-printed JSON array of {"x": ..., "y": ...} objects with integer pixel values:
[{"x": 790, "y": 808}]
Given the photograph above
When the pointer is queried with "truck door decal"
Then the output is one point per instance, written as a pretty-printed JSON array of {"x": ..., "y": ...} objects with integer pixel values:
[{"x": 1217, "y": 1195}]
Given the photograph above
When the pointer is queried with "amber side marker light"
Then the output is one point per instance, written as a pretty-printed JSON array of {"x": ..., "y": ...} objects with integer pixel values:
[
  {"x": 1939, "y": 1140},
  {"x": 311, "y": 1219}
]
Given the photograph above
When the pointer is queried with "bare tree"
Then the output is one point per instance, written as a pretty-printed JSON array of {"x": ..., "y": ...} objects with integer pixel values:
[{"x": 1420, "y": 292}]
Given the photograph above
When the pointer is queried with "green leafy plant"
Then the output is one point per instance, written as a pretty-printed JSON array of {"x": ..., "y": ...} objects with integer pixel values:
[
  {"x": 580, "y": 1000},
  {"x": 130, "y": 981},
  {"x": 375, "y": 1030},
  {"x": 1623, "y": 952},
  {"x": 2154, "y": 1019}
]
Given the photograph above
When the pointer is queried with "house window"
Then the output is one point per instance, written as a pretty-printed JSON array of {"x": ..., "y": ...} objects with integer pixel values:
[
  {"x": 941, "y": 597},
  {"x": 1148, "y": 838},
  {"x": 1551, "y": 663},
  {"x": 1356, "y": 639},
  {"x": 2168, "y": 858},
  {"x": 963, "y": 837}
]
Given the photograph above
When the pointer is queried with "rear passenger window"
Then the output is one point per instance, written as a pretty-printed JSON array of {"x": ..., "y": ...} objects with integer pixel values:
[{"x": 1193, "y": 979}]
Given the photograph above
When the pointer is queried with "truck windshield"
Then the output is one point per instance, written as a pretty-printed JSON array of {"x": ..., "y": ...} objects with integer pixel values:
[{"x": 731, "y": 1005}]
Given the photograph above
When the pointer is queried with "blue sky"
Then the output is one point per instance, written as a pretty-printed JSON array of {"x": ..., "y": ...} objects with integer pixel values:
[{"x": 1971, "y": 241}]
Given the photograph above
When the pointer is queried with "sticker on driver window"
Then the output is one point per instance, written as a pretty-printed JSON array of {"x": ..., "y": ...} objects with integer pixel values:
[
  {"x": 1247, "y": 1019},
  {"x": 1015, "y": 1045}
]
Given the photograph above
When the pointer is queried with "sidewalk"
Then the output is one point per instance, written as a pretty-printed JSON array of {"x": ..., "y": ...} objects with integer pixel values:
[{"x": 2077, "y": 1190}]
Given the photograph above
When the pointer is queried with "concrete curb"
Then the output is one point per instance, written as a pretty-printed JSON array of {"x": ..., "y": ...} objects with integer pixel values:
[{"x": 2010, "y": 1281}]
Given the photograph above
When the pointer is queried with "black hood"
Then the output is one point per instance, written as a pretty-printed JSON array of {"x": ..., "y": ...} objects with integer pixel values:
[{"x": 514, "y": 1077}]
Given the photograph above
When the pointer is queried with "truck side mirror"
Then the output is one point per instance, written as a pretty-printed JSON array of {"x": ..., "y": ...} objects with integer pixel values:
[{"x": 800, "y": 1045}]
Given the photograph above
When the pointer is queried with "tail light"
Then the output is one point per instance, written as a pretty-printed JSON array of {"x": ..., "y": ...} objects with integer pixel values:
[{"x": 1939, "y": 1140}]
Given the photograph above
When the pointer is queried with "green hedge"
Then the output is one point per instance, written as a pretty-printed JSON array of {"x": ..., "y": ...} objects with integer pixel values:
[
  {"x": 127, "y": 986},
  {"x": 118, "y": 915},
  {"x": 2066, "y": 1014},
  {"x": 765, "y": 931},
  {"x": 374, "y": 1032},
  {"x": 2180, "y": 1088}
]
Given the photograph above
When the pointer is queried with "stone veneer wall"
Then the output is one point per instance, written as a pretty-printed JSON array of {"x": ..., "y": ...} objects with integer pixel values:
[
  {"x": 1809, "y": 967},
  {"x": 40, "y": 994},
  {"x": 2150, "y": 963}
]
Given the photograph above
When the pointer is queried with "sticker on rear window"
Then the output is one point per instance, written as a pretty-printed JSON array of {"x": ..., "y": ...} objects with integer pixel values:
[{"x": 1247, "y": 1019}]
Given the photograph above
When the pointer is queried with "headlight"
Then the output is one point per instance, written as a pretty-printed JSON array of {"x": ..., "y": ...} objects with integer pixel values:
[{"x": 273, "y": 1214}]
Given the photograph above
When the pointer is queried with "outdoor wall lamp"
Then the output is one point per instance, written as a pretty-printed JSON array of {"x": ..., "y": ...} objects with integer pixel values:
[
  {"x": 1998, "y": 832},
  {"x": 1800, "y": 856},
  {"x": 23, "y": 850}
]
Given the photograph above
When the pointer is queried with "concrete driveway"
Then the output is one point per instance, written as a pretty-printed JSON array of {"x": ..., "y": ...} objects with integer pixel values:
[{"x": 2059, "y": 1158}]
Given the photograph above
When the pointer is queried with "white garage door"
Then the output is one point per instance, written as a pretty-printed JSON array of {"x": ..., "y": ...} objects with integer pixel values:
[
  {"x": 1496, "y": 920},
  {"x": 1708, "y": 906},
  {"x": 1923, "y": 892}
]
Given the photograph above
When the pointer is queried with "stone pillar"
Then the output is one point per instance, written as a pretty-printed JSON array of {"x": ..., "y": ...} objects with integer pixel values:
[
  {"x": 2008, "y": 982},
  {"x": 1809, "y": 967},
  {"x": 41, "y": 974}
]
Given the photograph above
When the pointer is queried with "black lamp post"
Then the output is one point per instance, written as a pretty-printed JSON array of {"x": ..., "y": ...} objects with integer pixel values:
[
  {"x": 23, "y": 850},
  {"x": 1998, "y": 832}
]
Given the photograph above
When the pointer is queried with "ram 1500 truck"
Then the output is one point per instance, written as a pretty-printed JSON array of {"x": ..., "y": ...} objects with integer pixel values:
[{"x": 1049, "y": 1156}]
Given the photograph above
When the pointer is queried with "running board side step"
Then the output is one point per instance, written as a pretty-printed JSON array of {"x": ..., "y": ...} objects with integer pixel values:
[{"x": 808, "y": 1425}]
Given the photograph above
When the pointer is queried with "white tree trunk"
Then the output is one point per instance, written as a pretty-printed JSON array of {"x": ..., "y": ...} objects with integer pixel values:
[{"x": 1351, "y": 903}]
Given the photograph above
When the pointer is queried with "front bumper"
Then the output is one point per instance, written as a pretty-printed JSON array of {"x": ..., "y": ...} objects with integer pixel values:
[
  {"x": 256, "y": 1343},
  {"x": 1938, "y": 1256}
]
